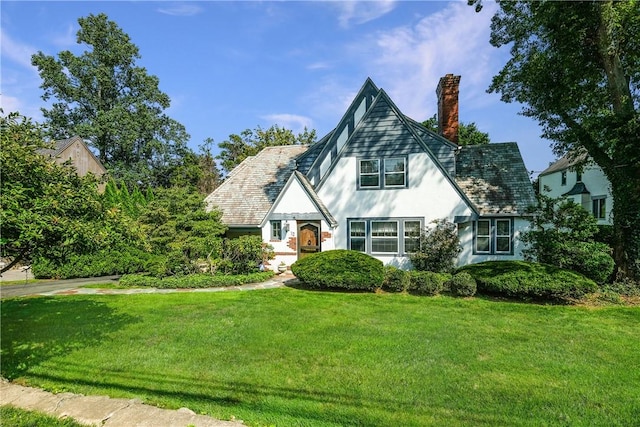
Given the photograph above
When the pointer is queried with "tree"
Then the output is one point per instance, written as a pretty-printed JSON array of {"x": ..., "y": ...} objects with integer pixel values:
[
  {"x": 103, "y": 97},
  {"x": 44, "y": 207},
  {"x": 438, "y": 249},
  {"x": 251, "y": 142},
  {"x": 563, "y": 234},
  {"x": 177, "y": 225},
  {"x": 468, "y": 134},
  {"x": 576, "y": 69}
]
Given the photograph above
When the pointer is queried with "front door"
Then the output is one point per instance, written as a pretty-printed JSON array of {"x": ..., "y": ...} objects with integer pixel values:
[{"x": 308, "y": 238}]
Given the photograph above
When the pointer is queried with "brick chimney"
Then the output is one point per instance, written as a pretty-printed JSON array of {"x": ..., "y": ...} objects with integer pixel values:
[{"x": 447, "y": 92}]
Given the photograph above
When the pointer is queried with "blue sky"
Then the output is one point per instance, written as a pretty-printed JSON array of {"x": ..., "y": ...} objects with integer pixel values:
[{"x": 231, "y": 66}]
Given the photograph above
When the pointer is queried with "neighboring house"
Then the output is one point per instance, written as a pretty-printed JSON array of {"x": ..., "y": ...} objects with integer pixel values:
[
  {"x": 75, "y": 150},
  {"x": 375, "y": 181},
  {"x": 579, "y": 179}
]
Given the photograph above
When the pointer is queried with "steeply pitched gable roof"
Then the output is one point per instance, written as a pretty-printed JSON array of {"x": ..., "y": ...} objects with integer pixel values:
[
  {"x": 249, "y": 191},
  {"x": 494, "y": 178},
  {"x": 565, "y": 162},
  {"x": 62, "y": 144}
]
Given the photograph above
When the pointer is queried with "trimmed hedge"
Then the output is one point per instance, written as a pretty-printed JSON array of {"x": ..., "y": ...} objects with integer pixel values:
[
  {"x": 395, "y": 279},
  {"x": 521, "y": 279},
  {"x": 122, "y": 260},
  {"x": 463, "y": 284},
  {"x": 427, "y": 282},
  {"x": 341, "y": 269},
  {"x": 193, "y": 281}
]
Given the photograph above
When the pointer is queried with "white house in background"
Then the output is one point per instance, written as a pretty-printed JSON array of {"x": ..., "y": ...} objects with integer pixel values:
[
  {"x": 586, "y": 185},
  {"x": 375, "y": 181}
]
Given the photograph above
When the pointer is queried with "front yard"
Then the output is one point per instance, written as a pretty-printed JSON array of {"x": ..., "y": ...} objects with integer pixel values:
[{"x": 292, "y": 357}]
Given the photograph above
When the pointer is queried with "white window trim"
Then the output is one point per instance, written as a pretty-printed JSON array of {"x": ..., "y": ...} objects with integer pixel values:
[
  {"x": 493, "y": 236},
  {"x": 382, "y": 174},
  {"x": 400, "y": 221}
]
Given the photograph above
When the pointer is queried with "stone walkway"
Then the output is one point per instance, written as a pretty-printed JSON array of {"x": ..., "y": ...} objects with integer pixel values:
[
  {"x": 106, "y": 411},
  {"x": 103, "y": 410}
]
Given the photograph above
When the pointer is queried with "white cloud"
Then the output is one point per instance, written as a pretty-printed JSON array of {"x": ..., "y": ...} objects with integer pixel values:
[
  {"x": 411, "y": 59},
  {"x": 19, "y": 53},
  {"x": 66, "y": 39},
  {"x": 9, "y": 103},
  {"x": 181, "y": 9},
  {"x": 360, "y": 12},
  {"x": 293, "y": 122}
]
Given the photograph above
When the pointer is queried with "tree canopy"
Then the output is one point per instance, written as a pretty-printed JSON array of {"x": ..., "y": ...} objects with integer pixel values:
[
  {"x": 468, "y": 133},
  {"x": 44, "y": 207},
  {"x": 250, "y": 142},
  {"x": 576, "y": 69},
  {"x": 105, "y": 98}
]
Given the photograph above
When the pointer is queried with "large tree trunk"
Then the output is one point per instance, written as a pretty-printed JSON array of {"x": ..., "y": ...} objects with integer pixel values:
[{"x": 625, "y": 186}]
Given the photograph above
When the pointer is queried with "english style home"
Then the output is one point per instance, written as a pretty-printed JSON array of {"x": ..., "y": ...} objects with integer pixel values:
[
  {"x": 579, "y": 179},
  {"x": 375, "y": 181}
]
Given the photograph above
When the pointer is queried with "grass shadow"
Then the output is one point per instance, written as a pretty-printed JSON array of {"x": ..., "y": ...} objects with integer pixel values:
[{"x": 37, "y": 329}]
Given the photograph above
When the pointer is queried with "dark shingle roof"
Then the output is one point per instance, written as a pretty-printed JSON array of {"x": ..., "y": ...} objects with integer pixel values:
[
  {"x": 249, "y": 191},
  {"x": 494, "y": 178},
  {"x": 566, "y": 162}
]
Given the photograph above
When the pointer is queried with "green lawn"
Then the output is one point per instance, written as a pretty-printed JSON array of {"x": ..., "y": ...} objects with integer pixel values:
[{"x": 289, "y": 357}]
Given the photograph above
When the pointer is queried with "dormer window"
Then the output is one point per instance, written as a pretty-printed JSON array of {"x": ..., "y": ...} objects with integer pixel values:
[{"x": 382, "y": 173}]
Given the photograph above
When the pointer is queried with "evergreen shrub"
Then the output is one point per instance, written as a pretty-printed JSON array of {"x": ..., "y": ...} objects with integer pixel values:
[
  {"x": 427, "y": 282},
  {"x": 522, "y": 279},
  {"x": 194, "y": 281},
  {"x": 463, "y": 284},
  {"x": 107, "y": 262},
  {"x": 341, "y": 269},
  {"x": 395, "y": 279}
]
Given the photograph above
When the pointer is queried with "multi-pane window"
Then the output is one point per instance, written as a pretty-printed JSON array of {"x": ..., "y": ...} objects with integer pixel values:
[
  {"x": 382, "y": 173},
  {"x": 384, "y": 236},
  {"x": 396, "y": 236},
  {"x": 600, "y": 207},
  {"x": 370, "y": 173},
  {"x": 276, "y": 230},
  {"x": 411, "y": 236},
  {"x": 494, "y": 236},
  {"x": 563, "y": 178},
  {"x": 394, "y": 172},
  {"x": 483, "y": 235},
  {"x": 357, "y": 236},
  {"x": 503, "y": 235}
]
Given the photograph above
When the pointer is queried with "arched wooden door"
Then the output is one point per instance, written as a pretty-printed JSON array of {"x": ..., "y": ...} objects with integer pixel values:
[{"x": 308, "y": 238}]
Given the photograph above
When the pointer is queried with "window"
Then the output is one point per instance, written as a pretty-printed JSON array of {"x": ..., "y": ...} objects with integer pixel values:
[
  {"x": 384, "y": 236},
  {"x": 395, "y": 236},
  {"x": 600, "y": 207},
  {"x": 503, "y": 235},
  {"x": 394, "y": 175},
  {"x": 483, "y": 235},
  {"x": 411, "y": 236},
  {"x": 357, "y": 236},
  {"x": 493, "y": 236},
  {"x": 578, "y": 176},
  {"x": 563, "y": 178},
  {"x": 276, "y": 230},
  {"x": 382, "y": 173},
  {"x": 370, "y": 173}
]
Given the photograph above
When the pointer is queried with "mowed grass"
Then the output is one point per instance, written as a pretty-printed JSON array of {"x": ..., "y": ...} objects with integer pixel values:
[{"x": 289, "y": 357}]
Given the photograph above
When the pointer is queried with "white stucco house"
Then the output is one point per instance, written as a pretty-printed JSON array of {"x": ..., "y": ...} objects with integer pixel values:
[
  {"x": 374, "y": 181},
  {"x": 579, "y": 179}
]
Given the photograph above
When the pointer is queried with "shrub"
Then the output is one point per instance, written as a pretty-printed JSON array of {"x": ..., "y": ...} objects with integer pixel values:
[
  {"x": 108, "y": 262},
  {"x": 339, "y": 268},
  {"x": 521, "y": 279},
  {"x": 193, "y": 281},
  {"x": 427, "y": 282},
  {"x": 463, "y": 284},
  {"x": 438, "y": 249},
  {"x": 563, "y": 235},
  {"x": 395, "y": 279}
]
